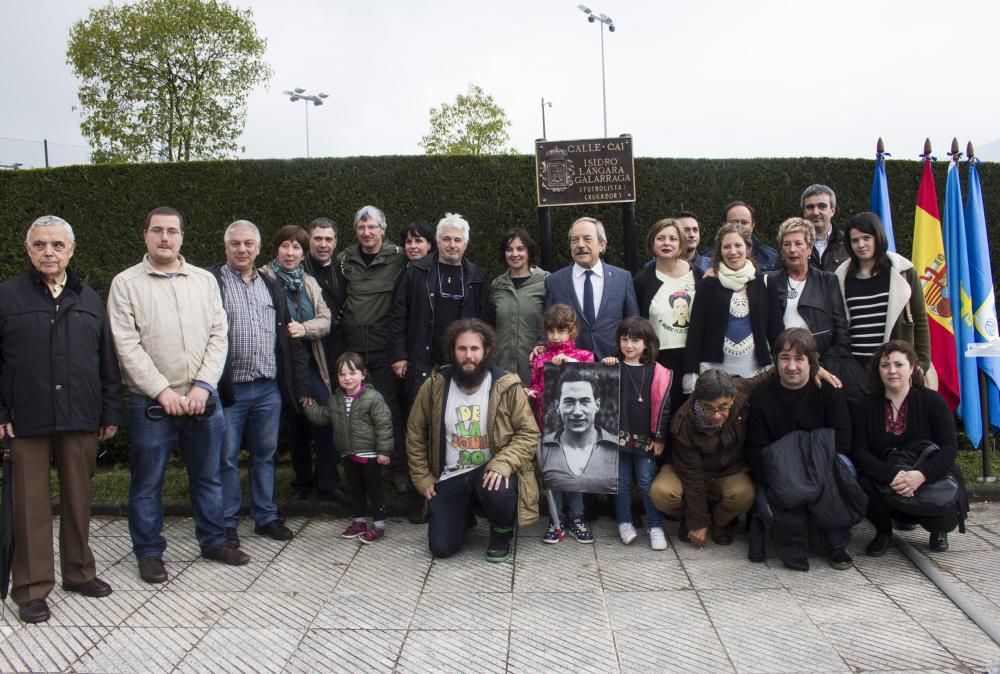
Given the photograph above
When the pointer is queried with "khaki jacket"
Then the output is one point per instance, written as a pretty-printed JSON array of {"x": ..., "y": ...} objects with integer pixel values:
[
  {"x": 512, "y": 432},
  {"x": 168, "y": 331}
]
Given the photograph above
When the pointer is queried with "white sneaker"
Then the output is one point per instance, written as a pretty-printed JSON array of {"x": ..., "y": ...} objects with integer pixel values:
[
  {"x": 627, "y": 532},
  {"x": 657, "y": 539}
]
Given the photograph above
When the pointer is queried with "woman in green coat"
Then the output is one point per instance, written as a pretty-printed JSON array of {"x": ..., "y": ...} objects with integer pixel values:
[{"x": 518, "y": 295}]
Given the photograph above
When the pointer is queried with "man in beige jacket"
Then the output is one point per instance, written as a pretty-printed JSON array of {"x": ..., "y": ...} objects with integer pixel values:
[{"x": 171, "y": 335}]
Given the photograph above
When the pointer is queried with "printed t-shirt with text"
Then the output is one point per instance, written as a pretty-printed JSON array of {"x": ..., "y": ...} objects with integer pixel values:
[{"x": 465, "y": 430}]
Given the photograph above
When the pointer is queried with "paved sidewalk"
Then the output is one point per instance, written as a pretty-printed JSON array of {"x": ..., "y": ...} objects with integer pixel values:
[{"x": 323, "y": 604}]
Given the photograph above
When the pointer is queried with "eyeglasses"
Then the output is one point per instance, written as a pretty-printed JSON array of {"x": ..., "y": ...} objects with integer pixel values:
[
  {"x": 722, "y": 410},
  {"x": 159, "y": 231}
]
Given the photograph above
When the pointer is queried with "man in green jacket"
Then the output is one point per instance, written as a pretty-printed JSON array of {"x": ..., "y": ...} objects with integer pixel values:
[
  {"x": 368, "y": 272},
  {"x": 490, "y": 437}
]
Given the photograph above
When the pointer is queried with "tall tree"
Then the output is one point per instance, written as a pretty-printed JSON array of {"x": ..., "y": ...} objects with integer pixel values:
[
  {"x": 165, "y": 80},
  {"x": 473, "y": 124}
]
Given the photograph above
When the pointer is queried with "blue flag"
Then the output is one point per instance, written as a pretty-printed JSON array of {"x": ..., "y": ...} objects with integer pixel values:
[
  {"x": 984, "y": 310},
  {"x": 880, "y": 200},
  {"x": 956, "y": 253}
]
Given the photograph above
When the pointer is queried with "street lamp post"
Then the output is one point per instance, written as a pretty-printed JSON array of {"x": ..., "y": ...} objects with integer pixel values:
[
  {"x": 604, "y": 20},
  {"x": 300, "y": 94},
  {"x": 544, "y": 103}
]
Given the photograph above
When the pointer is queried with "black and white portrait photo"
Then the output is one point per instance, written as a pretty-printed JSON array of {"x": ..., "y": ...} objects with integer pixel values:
[{"x": 579, "y": 451}]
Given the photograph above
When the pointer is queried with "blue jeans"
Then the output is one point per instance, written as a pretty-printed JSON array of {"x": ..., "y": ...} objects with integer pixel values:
[
  {"x": 152, "y": 443},
  {"x": 574, "y": 505},
  {"x": 644, "y": 466},
  {"x": 255, "y": 413}
]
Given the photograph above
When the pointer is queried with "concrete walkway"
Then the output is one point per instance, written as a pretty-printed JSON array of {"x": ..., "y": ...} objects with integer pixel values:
[{"x": 322, "y": 604}]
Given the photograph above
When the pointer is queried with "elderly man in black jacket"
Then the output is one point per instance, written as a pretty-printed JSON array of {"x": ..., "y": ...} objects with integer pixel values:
[
  {"x": 60, "y": 392},
  {"x": 790, "y": 402},
  {"x": 433, "y": 293}
]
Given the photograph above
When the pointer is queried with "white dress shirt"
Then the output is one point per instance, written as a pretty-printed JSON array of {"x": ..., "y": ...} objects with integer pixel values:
[{"x": 596, "y": 280}]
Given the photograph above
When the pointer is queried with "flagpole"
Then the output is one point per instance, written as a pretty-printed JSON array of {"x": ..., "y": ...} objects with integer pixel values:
[{"x": 984, "y": 398}]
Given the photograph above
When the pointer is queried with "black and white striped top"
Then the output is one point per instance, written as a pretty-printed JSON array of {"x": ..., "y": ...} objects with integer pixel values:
[{"x": 867, "y": 303}]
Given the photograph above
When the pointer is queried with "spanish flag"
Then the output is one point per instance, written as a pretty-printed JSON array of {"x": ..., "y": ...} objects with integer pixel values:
[{"x": 932, "y": 269}]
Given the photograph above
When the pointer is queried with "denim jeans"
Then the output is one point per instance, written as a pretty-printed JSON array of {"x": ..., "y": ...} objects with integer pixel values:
[
  {"x": 574, "y": 505},
  {"x": 255, "y": 414},
  {"x": 644, "y": 466},
  {"x": 152, "y": 443}
]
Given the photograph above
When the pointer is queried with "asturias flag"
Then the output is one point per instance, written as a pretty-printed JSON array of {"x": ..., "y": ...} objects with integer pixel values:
[
  {"x": 880, "y": 200},
  {"x": 956, "y": 253},
  {"x": 984, "y": 308},
  {"x": 929, "y": 263}
]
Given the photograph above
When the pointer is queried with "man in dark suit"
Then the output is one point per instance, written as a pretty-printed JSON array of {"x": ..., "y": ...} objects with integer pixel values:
[{"x": 601, "y": 295}]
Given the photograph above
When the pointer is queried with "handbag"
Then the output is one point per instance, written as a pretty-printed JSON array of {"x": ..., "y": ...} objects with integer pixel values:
[{"x": 933, "y": 498}]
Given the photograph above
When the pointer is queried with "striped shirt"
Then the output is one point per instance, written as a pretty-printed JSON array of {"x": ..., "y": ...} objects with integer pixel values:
[
  {"x": 867, "y": 304},
  {"x": 250, "y": 310}
]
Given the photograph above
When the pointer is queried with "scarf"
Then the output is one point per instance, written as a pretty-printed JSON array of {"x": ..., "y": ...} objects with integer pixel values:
[
  {"x": 736, "y": 280},
  {"x": 292, "y": 280},
  {"x": 703, "y": 425}
]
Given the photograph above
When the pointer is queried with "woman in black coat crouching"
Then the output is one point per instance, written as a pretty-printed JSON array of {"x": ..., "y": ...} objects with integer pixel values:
[{"x": 900, "y": 411}]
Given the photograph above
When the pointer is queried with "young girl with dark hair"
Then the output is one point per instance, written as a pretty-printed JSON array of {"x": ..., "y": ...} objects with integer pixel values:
[
  {"x": 362, "y": 435},
  {"x": 644, "y": 420}
]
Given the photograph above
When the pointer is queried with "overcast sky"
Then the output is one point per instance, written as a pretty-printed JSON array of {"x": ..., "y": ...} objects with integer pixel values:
[{"x": 712, "y": 78}]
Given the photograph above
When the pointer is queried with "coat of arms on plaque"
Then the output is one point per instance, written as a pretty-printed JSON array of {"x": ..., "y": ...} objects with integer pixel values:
[{"x": 557, "y": 170}]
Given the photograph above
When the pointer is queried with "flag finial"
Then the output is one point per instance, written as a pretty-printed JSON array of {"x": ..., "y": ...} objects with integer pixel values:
[
  {"x": 955, "y": 153},
  {"x": 927, "y": 146},
  {"x": 970, "y": 152},
  {"x": 879, "y": 146}
]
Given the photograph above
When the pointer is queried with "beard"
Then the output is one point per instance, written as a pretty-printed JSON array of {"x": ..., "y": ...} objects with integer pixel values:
[{"x": 470, "y": 379}]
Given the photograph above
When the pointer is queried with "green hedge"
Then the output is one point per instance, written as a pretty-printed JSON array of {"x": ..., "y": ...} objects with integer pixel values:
[{"x": 106, "y": 204}]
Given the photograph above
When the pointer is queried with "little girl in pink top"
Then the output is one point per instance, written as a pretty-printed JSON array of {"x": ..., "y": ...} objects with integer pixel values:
[{"x": 559, "y": 322}]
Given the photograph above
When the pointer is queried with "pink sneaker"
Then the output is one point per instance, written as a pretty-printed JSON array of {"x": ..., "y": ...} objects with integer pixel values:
[
  {"x": 372, "y": 534},
  {"x": 355, "y": 530}
]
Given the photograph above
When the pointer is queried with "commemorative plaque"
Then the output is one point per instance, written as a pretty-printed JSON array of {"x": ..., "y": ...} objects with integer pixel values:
[{"x": 591, "y": 171}]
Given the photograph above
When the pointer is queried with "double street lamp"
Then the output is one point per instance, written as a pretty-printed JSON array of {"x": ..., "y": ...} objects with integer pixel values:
[
  {"x": 300, "y": 94},
  {"x": 604, "y": 20}
]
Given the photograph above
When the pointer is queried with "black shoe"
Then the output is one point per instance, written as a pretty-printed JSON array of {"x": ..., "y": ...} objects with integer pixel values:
[
  {"x": 840, "y": 560},
  {"x": 35, "y": 611},
  {"x": 226, "y": 555},
  {"x": 152, "y": 570},
  {"x": 724, "y": 535},
  {"x": 938, "y": 542},
  {"x": 797, "y": 564},
  {"x": 498, "y": 550},
  {"x": 95, "y": 587},
  {"x": 879, "y": 544},
  {"x": 232, "y": 538},
  {"x": 274, "y": 530},
  {"x": 336, "y": 495}
]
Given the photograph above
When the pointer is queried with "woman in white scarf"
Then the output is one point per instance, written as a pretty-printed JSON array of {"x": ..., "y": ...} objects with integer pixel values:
[{"x": 729, "y": 318}]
